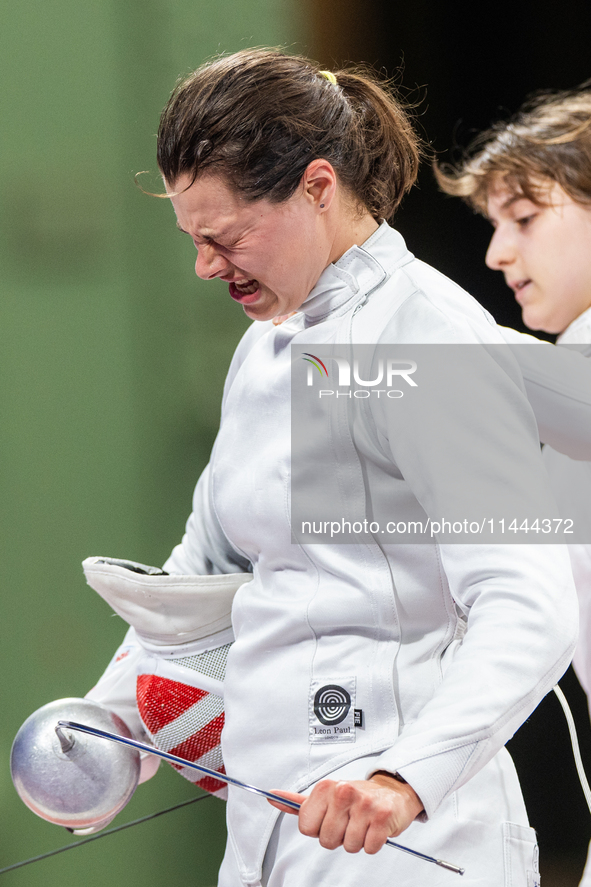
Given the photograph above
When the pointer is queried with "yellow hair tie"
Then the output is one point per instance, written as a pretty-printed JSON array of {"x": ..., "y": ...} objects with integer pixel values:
[{"x": 329, "y": 76}]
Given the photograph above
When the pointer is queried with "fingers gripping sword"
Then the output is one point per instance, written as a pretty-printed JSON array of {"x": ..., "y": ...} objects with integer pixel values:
[{"x": 141, "y": 746}]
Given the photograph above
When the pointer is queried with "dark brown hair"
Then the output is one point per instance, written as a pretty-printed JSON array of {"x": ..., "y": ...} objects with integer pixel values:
[
  {"x": 548, "y": 140},
  {"x": 259, "y": 117}
]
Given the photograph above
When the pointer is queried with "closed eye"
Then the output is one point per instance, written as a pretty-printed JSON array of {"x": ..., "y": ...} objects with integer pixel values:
[
  {"x": 206, "y": 241},
  {"x": 209, "y": 241},
  {"x": 524, "y": 221}
]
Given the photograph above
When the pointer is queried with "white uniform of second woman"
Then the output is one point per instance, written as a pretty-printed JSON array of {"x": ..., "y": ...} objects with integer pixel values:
[{"x": 571, "y": 483}]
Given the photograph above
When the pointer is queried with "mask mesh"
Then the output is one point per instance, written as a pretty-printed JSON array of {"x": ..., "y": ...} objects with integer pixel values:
[{"x": 212, "y": 663}]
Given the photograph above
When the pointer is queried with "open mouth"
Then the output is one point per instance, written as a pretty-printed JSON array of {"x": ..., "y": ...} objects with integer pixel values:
[
  {"x": 245, "y": 291},
  {"x": 518, "y": 286}
]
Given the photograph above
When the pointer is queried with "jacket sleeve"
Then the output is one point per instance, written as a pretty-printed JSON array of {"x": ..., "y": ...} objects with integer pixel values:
[
  {"x": 558, "y": 386},
  {"x": 116, "y": 688},
  {"x": 474, "y": 436},
  {"x": 521, "y": 620},
  {"x": 205, "y": 548}
]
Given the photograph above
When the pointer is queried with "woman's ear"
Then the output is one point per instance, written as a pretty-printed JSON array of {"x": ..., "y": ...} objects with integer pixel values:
[{"x": 319, "y": 183}]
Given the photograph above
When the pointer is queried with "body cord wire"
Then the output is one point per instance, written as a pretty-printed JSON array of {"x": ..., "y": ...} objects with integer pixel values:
[
  {"x": 575, "y": 744},
  {"x": 111, "y": 831}
]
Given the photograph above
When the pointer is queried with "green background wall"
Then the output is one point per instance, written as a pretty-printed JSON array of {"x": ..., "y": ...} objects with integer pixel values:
[{"x": 112, "y": 359}]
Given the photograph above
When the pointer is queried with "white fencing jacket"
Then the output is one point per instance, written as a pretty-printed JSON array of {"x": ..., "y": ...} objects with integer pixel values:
[
  {"x": 571, "y": 483},
  {"x": 444, "y": 650}
]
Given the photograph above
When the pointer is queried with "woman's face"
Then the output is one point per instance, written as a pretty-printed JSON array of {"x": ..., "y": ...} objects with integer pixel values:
[
  {"x": 544, "y": 253},
  {"x": 270, "y": 254}
]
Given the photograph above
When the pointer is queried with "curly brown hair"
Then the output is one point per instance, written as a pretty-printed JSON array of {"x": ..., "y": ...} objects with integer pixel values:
[
  {"x": 548, "y": 140},
  {"x": 259, "y": 117}
]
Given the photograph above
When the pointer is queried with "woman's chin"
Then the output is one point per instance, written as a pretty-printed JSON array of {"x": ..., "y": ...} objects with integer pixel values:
[
  {"x": 539, "y": 322},
  {"x": 265, "y": 308},
  {"x": 259, "y": 312},
  {"x": 269, "y": 307}
]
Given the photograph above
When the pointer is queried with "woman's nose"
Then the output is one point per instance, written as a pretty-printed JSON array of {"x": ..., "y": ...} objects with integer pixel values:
[
  {"x": 501, "y": 251},
  {"x": 210, "y": 263}
]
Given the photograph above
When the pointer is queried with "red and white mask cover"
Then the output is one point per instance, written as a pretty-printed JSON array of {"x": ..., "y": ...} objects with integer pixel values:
[
  {"x": 180, "y": 715},
  {"x": 183, "y": 627}
]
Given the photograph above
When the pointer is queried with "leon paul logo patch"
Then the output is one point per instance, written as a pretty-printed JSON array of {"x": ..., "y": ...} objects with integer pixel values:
[
  {"x": 332, "y": 704},
  {"x": 332, "y": 711}
]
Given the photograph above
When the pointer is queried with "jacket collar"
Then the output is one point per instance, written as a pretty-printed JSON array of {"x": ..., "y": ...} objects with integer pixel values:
[
  {"x": 356, "y": 274},
  {"x": 578, "y": 332}
]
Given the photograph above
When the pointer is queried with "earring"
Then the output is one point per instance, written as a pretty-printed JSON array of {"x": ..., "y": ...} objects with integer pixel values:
[{"x": 321, "y": 206}]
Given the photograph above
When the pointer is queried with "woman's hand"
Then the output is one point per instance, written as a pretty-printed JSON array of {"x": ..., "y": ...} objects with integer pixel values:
[{"x": 357, "y": 815}]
